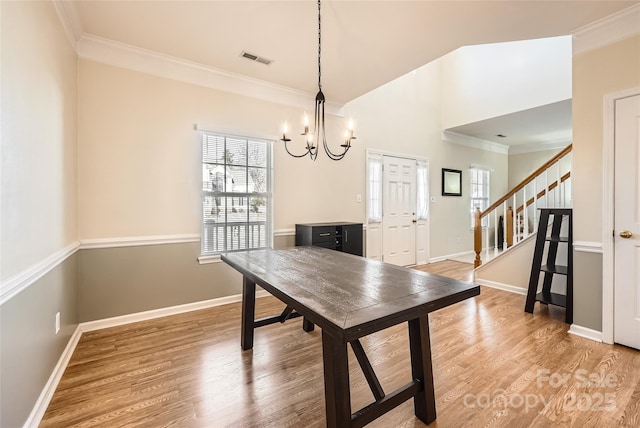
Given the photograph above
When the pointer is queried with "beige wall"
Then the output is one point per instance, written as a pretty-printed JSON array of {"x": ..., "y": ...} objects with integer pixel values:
[
  {"x": 596, "y": 73},
  {"x": 139, "y": 156},
  {"x": 38, "y": 199},
  {"x": 521, "y": 165},
  {"x": 38, "y": 126},
  {"x": 404, "y": 117},
  {"x": 486, "y": 81}
]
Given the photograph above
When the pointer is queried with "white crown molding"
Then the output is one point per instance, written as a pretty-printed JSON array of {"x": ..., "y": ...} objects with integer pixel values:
[
  {"x": 70, "y": 21},
  {"x": 539, "y": 147},
  {"x": 136, "y": 241},
  {"x": 585, "y": 332},
  {"x": 122, "y": 55},
  {"x": 40, "y": 407},
  {"x": 22, "y": 280},
  {"x": 588, "y": 247},
  {"x": 608, "y": 30},
  {"x": 474, "y": 142}
]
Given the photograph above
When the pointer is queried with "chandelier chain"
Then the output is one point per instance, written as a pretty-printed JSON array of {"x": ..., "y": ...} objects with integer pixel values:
[{"x": 319, "y": 49}]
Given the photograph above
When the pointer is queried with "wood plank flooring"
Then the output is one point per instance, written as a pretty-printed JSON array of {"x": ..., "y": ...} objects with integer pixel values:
[{"x": 494, "y": 365}]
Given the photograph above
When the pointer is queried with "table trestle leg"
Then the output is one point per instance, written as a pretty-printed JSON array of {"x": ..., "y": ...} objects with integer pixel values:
[
  {"x": 286, "y": 314},
  {"x": 367, "y": 369},
  {"x": 421, "y": 370}
]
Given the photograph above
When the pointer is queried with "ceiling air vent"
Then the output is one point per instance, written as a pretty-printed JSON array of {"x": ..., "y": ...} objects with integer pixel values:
[{"x": 256, "y": 58}]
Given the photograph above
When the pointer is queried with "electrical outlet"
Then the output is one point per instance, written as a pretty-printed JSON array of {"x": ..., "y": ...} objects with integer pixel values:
[
  {"x": 433, "y": 199},
  {"x": 57, "y": 322}
]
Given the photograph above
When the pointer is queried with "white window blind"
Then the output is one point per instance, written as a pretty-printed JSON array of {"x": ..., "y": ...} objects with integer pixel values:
[
  {"x": 374, "y": 183},
  {"x": 236, "y": 193},
  {"x": 479, "y": 191}
]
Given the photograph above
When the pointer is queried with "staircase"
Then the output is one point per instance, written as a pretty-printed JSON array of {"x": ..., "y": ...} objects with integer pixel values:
[{"x": 549, "y": 186}]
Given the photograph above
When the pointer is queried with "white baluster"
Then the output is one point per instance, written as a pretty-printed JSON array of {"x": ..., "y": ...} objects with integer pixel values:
[
  {"x": 486, "y": 236},
  {"x": 504, "y": 226},
  {"x": 495, "y": 230},
  {"x": 557, "y": 194},
  {"x": 515, "y": 220},
  {"x": 546, "y": 188},
  {"x": 535, "y": 204},
  {"x": 525, "y": 231}
]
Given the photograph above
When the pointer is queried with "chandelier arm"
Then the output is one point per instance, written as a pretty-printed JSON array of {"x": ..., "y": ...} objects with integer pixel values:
[
  {"x": 293, "y": 154},
  {"x": 330, "y": 154}
]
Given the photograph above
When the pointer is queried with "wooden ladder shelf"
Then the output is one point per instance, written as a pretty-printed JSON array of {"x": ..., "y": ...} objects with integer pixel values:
[{"x": 551, "y": 267}]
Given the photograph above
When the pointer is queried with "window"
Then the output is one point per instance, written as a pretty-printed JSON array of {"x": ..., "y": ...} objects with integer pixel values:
[
  {"x": 479, "y": 191},
  {"x": 374, "y": 201},
  {"x": 422, "y": 189},
  {"x": 236, "y": 193}
]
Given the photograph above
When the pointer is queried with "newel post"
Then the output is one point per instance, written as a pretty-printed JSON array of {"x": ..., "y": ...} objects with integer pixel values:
[
  {"x": 509, "y": 235},
  {"x": 477, "y": 237}
]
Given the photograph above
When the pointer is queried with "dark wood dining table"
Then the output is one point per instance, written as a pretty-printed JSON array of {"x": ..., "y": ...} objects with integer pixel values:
[{"x": 350, "y": 297}]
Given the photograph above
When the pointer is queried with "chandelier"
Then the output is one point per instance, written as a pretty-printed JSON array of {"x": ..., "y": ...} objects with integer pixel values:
[{"x": 314, "y": 137}]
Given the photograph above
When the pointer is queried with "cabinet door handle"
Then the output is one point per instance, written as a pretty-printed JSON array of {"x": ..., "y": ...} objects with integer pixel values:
[
  {"x": 325, "y": 234},
  {"x": 346, "y": 236}
]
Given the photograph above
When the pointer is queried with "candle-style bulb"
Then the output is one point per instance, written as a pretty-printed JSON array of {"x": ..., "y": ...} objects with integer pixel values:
[{"x": 285, "y": 128}]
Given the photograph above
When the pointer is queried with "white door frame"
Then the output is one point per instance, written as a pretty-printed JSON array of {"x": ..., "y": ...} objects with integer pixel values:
[
  {"x": 608, "y": 201},
  {"x": 403, "y": 156}
]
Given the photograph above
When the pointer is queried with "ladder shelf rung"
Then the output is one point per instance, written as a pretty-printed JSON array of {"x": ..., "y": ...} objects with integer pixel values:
[
  {"x": 557, "y": 238},
  {"x": 552, "y": 299},
  {"x": 560, "y": 270}
]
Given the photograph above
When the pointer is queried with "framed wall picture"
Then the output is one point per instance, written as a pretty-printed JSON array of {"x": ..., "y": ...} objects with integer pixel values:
[{"x": 451, "y": 182}]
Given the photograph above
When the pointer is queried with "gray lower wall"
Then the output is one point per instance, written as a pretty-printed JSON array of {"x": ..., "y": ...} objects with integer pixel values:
[
  {"x": 29, "y": 347},
  {"x": 587, "y": 290},
  {"x": 126, "y": 280}
]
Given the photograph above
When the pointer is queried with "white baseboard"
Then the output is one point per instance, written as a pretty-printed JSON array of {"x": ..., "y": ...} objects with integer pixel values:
[
  {"x": 450, "y": 256},
  {"x": 163, "y": 312},
  {"x": 585, "y": 332},
  {"x": 500, "y": 286},
  {"x": 35, "y": 417}
]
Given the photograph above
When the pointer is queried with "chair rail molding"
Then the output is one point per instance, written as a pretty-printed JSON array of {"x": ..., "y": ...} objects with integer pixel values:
[
  {"x": 136, "y": 241},
  {"x": 22, "y": 280},
  {"x": 587, "y": 247}
]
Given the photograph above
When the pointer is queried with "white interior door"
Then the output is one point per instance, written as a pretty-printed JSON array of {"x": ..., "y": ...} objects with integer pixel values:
[
  {"x": 627, "y": 222},
  {"x": 398, "y": 210}
]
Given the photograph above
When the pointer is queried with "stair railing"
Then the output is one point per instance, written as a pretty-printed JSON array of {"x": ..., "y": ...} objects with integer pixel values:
[{"x": 549, "y": 186}]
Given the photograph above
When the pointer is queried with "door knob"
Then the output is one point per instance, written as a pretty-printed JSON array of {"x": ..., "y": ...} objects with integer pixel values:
[{"x": 626, "y": 234}]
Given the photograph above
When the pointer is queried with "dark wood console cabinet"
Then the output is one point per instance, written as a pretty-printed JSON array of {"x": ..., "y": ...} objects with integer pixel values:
[{"x": 339, "y": 236}]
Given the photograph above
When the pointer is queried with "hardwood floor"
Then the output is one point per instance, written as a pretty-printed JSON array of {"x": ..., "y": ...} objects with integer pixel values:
[{"x": 494, "y": 365}]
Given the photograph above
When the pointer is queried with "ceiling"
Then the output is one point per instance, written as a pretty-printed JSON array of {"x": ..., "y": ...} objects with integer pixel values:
[
  {"x": 365, "y": 43},
  {"x": 548, "y": 125}
]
